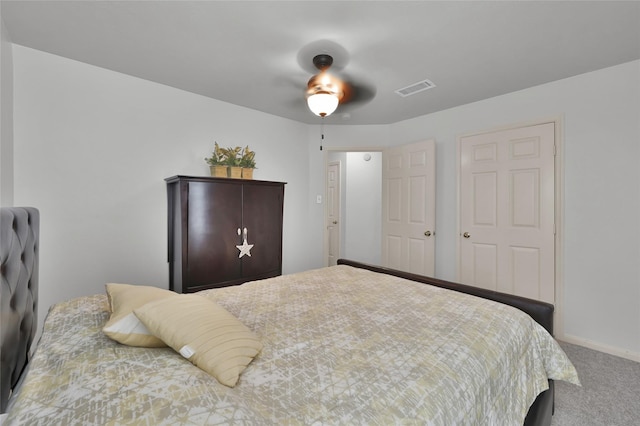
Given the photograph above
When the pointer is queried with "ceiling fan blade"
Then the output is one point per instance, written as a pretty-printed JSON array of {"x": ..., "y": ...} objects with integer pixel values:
[
  {"x": 358, "y": 93},
  {"x": 290, "y": 80}
]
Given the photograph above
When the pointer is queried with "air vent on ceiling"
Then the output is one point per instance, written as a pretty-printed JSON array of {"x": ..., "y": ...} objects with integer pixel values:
[{"x": 415, "y": 88}]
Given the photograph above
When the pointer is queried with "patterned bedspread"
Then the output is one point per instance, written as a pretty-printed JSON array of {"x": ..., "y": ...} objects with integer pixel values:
[{"x": 341, "y": 346}]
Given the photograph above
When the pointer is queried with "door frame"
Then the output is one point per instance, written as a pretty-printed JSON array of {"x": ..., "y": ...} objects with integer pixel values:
[
  {"x": 325, "y": 162},
  {"x": 558, "y": 205}
]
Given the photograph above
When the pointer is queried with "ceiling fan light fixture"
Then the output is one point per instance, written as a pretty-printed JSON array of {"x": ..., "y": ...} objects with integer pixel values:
[
  {"x": 324, "y": 91},
  {"x": 323, "y": 104}
]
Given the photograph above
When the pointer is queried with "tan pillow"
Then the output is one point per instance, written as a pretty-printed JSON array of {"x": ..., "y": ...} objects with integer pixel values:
[
  {"x": 204, "y": 333},
  {"x": 123, "y": 326}
]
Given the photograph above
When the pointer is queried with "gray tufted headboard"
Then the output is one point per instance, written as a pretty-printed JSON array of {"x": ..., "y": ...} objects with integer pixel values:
[{"x": 19, "y": 247}]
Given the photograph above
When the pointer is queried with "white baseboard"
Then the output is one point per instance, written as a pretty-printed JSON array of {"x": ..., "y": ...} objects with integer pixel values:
[{"x": 611, "y": 350}]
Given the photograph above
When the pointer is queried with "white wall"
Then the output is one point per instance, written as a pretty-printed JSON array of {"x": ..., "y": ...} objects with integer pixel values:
[
  {"x": 363, "y": 207},
  {"x": 92, "y": 149},
  {"x": 340, "y": 138},
  {"x": 6, "y": 118},
  {"x": 601, "y": 122},
  {"x": 360, "y": 205}
]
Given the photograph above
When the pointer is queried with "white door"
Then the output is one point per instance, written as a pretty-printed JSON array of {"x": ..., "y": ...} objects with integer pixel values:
[
  {"x": 507, "y": 210},
  {"x": 333, "y": 212},
  {"x": 408, "y": 207}
]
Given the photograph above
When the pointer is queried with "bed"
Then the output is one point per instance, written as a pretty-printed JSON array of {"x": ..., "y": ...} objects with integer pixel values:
[{"x": 348, "y": 344}]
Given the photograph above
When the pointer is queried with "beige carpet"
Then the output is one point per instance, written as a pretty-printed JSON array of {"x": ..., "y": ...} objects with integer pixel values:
[{"x": 610, "y": 392}]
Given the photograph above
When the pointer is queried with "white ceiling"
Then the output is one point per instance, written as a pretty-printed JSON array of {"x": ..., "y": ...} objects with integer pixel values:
[{"x": 258, "y": 53}]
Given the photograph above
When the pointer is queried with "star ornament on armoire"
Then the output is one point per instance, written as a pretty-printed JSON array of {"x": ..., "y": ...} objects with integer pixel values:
[{"x": 244, "y": 248}]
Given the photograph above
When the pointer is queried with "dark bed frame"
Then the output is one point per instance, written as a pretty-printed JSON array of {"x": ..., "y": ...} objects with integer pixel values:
[
  {"x": 19, "y": 250},
  {"x": 541, "y": 410}
]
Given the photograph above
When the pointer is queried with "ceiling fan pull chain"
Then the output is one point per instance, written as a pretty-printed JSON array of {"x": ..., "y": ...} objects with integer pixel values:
[{"x": 321, "y": 133}]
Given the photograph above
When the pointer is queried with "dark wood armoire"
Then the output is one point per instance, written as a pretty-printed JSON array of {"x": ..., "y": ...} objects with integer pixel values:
[{"x": 209, "y": 220}]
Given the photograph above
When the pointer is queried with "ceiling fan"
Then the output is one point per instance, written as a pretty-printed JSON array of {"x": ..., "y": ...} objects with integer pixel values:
[{"x": 326, "y": 91}]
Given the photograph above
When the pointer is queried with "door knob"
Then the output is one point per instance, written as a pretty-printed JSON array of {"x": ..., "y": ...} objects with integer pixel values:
[
  {"x": 427, "y": 233},
  {"x": 335, "y": 222},
  {"x": 466, "y": 235}
]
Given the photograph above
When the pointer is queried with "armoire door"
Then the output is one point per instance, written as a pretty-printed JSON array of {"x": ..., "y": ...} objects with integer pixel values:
[
  {"x": 213, "y": 219},
  {"x": 262, "y": 217}
]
